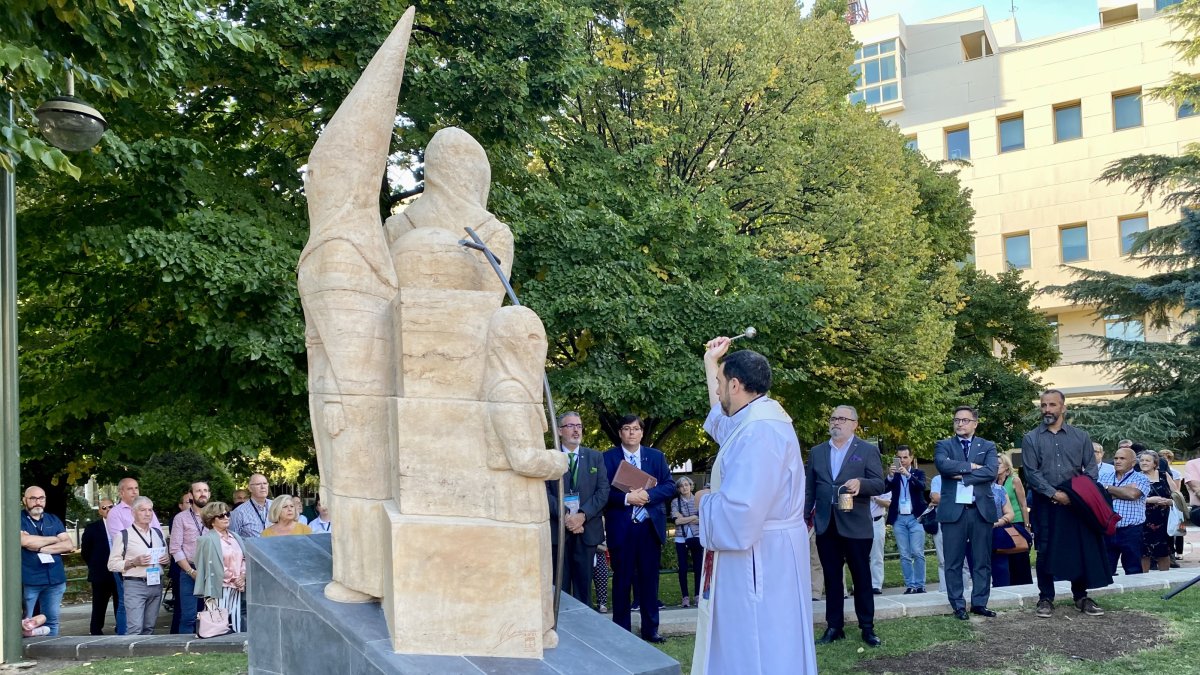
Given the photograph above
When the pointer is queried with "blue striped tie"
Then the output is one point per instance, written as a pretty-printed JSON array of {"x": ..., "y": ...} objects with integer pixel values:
[{"x": 639, "y": 512}]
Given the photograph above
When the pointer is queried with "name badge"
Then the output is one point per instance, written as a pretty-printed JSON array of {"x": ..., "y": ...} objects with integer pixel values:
[
  {"x": 965, "y": 494},
  {"x": 46, "y": 558},
  {"x": 571, "y": 502},
  {"x": 906, "y": 509},
  {"x": 153, "y": 575}
]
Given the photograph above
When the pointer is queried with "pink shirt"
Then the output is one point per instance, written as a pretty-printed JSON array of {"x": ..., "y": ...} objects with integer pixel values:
[
  {"x": 235, "y": 562},
  {"x": 186, "y": 529},
  {"x": 120, "y": 517},
  {"x": 1191, "y": 474}
]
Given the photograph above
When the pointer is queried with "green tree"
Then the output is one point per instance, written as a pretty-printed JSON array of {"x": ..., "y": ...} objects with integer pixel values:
[
  {"x": 167, "y": 475},
  {"x": 709, "y": 174},
  {"x": 158, "y": 301},
  {"x": 999, "y": 342}
]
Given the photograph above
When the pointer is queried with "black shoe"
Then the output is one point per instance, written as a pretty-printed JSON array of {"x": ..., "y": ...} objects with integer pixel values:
[
  {"x": 920, "y": 590},
  {"x": 961, "y": 614},
  {"x": 831, "y": 635},
  {"x": 871, "y": 638},
  {"x": 983, "y": 611},
  {"x": 656, "y": 639},
  {"x": 909, "y": 591},
  {"x": 877, "y": 591}
]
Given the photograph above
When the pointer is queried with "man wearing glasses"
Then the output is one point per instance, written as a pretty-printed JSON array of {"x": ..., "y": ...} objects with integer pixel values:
[
  {"x": 43, "y": 541},
  {"x": 844, "y": 465},
  {"x": 585, "y": 486},
  {"x": 967, "y": 510},
  {"x": 250, "y": 519},
  {"x": 93, "y": 547}
]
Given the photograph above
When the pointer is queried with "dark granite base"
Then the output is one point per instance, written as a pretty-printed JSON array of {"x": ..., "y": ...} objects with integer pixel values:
[{"x": 295, "y": 629}]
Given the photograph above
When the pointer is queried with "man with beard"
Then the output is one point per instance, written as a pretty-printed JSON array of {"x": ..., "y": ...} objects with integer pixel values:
[
  {"x": 186, "y": 530},
  {"x": 43, "y": 541},
  {"x": 1054, "y": 453}
]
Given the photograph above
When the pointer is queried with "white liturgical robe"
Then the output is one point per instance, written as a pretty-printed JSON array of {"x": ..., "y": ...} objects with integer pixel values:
[{"x": 759, "y": 601}]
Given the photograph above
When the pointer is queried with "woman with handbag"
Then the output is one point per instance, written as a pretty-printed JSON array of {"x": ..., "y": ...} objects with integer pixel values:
[
  {"x": 220, "y": 567},
  {"x": 1019, "y": 568},
  {"x": 1156, "y": 540}
]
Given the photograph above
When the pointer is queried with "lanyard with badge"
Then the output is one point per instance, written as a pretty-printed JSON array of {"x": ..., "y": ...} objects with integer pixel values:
[
  {"x": 45, "y": 558},
  {"x": 571, "y": 498},
  {"x": 154, "y": 571}
]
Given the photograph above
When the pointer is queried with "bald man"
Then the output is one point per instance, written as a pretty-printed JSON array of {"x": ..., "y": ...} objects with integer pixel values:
[{"x": 43, "y": 541}]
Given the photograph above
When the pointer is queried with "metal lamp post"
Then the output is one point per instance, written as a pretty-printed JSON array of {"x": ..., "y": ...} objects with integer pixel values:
[{"x": 71, "y": 125}]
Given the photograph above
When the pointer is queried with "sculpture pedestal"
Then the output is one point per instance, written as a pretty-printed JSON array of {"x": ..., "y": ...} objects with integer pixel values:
[{"x": 294, "y": 628}]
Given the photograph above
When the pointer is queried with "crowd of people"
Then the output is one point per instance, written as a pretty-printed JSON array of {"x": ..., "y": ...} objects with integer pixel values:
[
  {"x": 132, "y": 561},
  {"x": 749, "y": 529}
]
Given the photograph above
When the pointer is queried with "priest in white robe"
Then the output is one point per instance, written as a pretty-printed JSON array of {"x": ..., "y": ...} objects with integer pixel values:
[{"x": 755, "y": 598}]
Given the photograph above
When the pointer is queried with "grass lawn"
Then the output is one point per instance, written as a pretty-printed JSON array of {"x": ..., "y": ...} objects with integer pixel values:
[
  {"x": 178, "y": 664},
  {"x": 909, "y": 636}
]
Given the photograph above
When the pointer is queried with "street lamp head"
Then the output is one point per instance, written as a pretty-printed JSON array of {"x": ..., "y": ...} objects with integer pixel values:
[{"x": 70, "y": 124}]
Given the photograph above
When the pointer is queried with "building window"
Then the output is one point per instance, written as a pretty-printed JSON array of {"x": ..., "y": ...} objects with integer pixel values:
[
  {"x": 1133, "y": 330},
  {"x": 1127, "y": 109},
  {"x": 1012, "y": 133},
  {"x": 1130, "y": 226},
  {"x": 1053, "y": 321},
  {"x": 1160, "y": 5},
  {"x": 1185, "y": 109},
  {"x": 1074, "y": 243},
  {"x": 910, "y": 142},
  {"x": 1016, "y": 251},
  {"x": 1068, "y": 122},
  {"x": 958, "y": 143},
  {"x": 878, "y": 67}
]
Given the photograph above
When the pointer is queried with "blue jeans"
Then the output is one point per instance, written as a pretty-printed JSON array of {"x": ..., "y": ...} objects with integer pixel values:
[
  {"x": 120, "y": 603},
  {"x": 910, "y": 539},
  {"x": 186, "y": 602},
  {"x": 50, "y": 598}
]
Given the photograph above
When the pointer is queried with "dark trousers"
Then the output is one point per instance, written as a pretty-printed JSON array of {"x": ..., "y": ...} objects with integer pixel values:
[
  {"x": 102, "y": 592},
  {"x": 122, "y": 621},
  {"x": 636, "y": 561},
  {"x": 1125, "y": 545},
  {"x": 1044, "y": 533},
  {"x": 578, "y": 559},
  {"x": 693, "y": 548},
  {"x": 970, "y": 532},
  {"x": 834, "y": 550}
]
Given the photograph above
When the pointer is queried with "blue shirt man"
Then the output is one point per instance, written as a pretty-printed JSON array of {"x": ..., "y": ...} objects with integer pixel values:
[{"x": 43, "y": 541}]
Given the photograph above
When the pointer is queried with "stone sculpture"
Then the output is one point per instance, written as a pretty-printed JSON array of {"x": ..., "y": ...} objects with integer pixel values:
[{"x": 425, "y": 392}]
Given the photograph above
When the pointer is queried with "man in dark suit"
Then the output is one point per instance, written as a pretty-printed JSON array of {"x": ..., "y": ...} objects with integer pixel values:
[
  {"x": 585, "y": 485},
  {"x": 637, "y": 527},
  {"x": 967, "y": 510},
  {"x": 94, "y": 549},
  {"x": 852, "y": 466}
]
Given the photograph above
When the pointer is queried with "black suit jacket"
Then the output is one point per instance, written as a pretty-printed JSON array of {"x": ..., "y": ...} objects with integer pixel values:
[
  {"x": 619, "y": 518},
  {"x": 948, "y": 456},
  {"x": 94, "y": 549},
  {"x": 592, "y": 484},
  {"x": 916, "y": 493},
  {"x": 862, "y": 462}
]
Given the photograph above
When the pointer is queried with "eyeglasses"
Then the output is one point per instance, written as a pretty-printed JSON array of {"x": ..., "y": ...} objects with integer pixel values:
[
  {"x": 258, "y": 485},
  {"x": 222, "y": 515},
  {"x": 188, "y": 502},
  {"x": 36, "y": 499},
  {"x": 964, "y": 420},
  {"x": 571, "y": 426},
  {"x": 839, "y": 420},
  {"x": 629, "y": 428},
  {"x": 105, "y": 508}
]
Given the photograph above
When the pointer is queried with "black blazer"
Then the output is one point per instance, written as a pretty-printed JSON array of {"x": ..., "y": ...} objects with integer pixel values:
[
  {"x": 592, "y": 485},
  {"x": 916, "y": 492},
  {"x": 619, "y": 518},
  {"x": 862, "y": 462},
  {"x": 94, "y": 549}
]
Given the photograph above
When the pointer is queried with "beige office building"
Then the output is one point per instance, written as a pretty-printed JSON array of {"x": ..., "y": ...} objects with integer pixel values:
[{"x": 1038, "y": 121}]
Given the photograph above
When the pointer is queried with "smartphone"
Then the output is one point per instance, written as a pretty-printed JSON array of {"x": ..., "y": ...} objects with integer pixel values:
[{"x": 896, "y": 463}]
